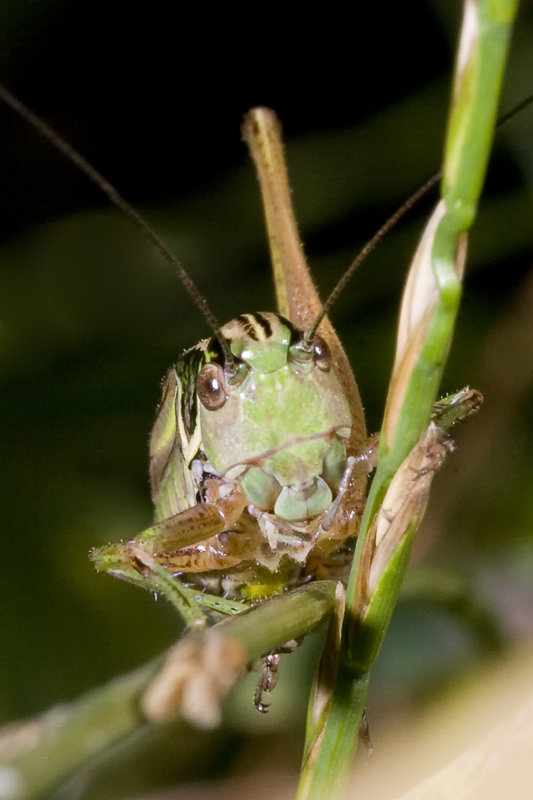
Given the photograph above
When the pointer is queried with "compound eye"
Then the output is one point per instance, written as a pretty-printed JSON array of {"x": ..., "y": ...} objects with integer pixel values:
[
  {"x": 211, "y": 386},
  {"x": 321, "y": 354}
]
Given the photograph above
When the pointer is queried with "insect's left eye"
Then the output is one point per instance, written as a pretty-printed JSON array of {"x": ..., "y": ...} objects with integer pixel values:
[
  {"x": 321, "y": 354},
  {"x": 211, "y": 386}
]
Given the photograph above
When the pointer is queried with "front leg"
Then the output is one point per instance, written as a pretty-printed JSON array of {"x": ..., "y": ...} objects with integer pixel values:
[{"x": 152, "y": 559}]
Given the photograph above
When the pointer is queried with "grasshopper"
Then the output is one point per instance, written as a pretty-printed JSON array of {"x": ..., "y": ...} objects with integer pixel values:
[
  {"x": 257, "y": 456},
  {"x": 258, "y": 453}
]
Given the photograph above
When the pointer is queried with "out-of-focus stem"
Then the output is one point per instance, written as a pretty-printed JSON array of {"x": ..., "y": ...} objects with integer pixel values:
[{"x": 37, "y": 755}]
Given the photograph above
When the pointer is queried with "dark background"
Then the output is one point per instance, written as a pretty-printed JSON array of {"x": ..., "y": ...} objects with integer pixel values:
[{"x": 91, "y": 318}]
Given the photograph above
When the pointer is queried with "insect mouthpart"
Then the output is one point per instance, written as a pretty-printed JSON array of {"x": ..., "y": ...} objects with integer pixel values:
[
  {"x": 296, "y": 503},
  {"x": 295, "y": 481}
]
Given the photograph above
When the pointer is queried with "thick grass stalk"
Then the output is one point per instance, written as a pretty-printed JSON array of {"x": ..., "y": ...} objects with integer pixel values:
[{"x": 429, "y": 308}]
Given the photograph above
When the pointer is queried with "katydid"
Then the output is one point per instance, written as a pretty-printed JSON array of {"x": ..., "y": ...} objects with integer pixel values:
[
  {"x": 258, "y": 454},
  {"x": 257, "y": 462}
]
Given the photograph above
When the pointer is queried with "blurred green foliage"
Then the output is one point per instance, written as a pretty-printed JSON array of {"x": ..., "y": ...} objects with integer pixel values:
[{"x": 91, "y": 319}]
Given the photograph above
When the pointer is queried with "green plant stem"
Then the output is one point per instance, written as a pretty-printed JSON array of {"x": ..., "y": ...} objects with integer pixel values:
[
  {"x": 37, "y": 755},
  {"x": 479, "y": 70}
]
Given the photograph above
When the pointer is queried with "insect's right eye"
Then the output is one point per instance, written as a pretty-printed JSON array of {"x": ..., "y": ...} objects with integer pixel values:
[
  {"x": 321, "y": 354},
  {"x": 211, "y": 386}
]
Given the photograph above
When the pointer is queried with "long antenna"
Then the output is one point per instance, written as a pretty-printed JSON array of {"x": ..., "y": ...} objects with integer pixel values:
[
  {"x": 393, "y": 221},
  {"x": 370, "y": 245},
  {"x": 121, "y": 203},
  {"x": 198, "y": 299}
]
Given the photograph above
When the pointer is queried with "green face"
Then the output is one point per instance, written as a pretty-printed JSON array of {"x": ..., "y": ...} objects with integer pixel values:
[{"x": 280, "y": 423}]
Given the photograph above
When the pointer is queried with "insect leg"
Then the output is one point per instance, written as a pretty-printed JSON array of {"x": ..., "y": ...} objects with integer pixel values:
[
  {"x": 138, "y": 560},
  {"x": 270, "y": 674},
  {"x": 268, "y": 680}
]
